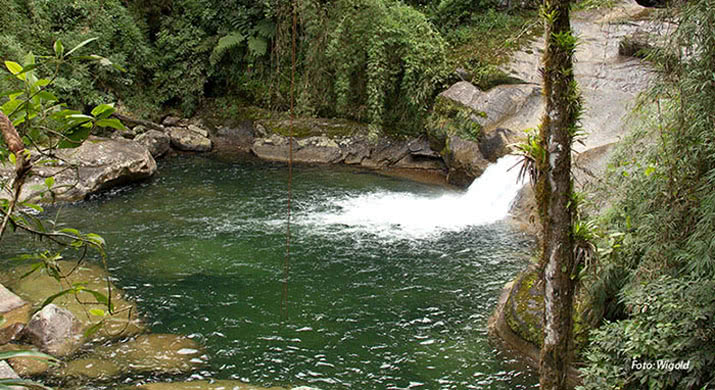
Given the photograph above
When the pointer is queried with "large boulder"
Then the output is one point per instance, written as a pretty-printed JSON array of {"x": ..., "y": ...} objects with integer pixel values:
[
  {"x": 100, "y": 163},
  {"x": 311, "y": 150},
  {"x": 155, "y": 141},
  {"x": 55, "y": 330},
  {"x": 495, "y": 144},
  {"x": 495, "y": 105},
  {"x": 189, "y": 140},
  {"x": 318, "y": 150},
  {"x": 464, "y": 161}
]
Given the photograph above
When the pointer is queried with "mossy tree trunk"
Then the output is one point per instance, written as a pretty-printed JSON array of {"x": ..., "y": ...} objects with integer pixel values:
[{"x": 554, "y": 188}]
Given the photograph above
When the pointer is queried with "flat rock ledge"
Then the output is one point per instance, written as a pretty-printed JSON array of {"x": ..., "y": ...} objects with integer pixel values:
[{"x": 98, "y": 164}]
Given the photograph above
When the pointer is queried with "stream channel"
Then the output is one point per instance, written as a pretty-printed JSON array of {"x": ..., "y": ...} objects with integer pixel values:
[{"x": 390, "y": 281}]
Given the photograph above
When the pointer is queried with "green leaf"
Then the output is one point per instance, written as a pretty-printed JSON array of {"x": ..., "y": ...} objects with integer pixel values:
[
  {"x": 26, "y": 354},
  {"x": 113, "y": 123},
  {"x": 12, "y": 158},
  {"x": 51, "y": 298},
  {"x": 41, "y": 83},
  {"x": 47, "y": 96},
  {"x": 59, "y": 49},
  {"x": 33, "y": 206},
  {"x": 70, "y": 231},
  {"x": 96, "y": 239},
  {"x": 106, "y": 109},
  {"x": 13, "y": 384},
  {"x": 257, "y": 46},
  {"x": 92, "y": 329},
  {"x": 97, "y": 312},
  {"x": 99, "y": 297},
  {"x": 82, "y": 44},
  {"x": 50, "y": 181},
  {"x": 15, "y": 69},
  {"x": 75, "y": 138}
]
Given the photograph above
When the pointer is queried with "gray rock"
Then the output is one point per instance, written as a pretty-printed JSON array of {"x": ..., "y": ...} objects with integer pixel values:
[
  {"x": 139, "y": 129},
  {"x": 464, "y": 160},
  {"x": 102, "y": 163},
  {"x": 155, "y": 141},
  {"x": 356, "y": 152},
  {"x": 497, "y": 104},
  {"x": 319, "y": 150},
  {"x": 12, "y": 308},
  {"x": 55, "y": 330},
  {"x": 187, "y": 140},
  {"x": 6, "y": 371},
  {"x": 385, "y": 153},
  {"x": 496, "y": 143},
  {"x": 199, "y": 130},
  {"x": 311, "y": 150},
  {"x": 171, "y": 121}
]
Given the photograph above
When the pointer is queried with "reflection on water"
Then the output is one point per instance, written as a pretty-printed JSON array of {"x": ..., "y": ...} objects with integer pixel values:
[{"x": 384, "y": 291}]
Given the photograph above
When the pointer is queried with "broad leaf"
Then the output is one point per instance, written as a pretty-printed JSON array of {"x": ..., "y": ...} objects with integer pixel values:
[
  {"x": 113, "y": 123},
  {"x": 103, "y": 110}
]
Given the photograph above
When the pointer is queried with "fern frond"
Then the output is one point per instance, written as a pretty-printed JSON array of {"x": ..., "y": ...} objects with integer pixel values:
[{"x": 225, "y": 44}]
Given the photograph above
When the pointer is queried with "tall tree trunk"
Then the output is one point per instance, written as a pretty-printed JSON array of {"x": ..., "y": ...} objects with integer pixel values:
[{"x": 554, "y": 188}]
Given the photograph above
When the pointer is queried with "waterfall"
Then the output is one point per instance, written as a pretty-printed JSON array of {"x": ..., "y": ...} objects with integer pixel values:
[{"x": 406, "y": 215}]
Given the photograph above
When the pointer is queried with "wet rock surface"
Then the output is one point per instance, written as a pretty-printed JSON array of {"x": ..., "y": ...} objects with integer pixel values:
[
  {"x": 189, "y": 139},
  {"x": 148, "y": 353},
  {"x": 155, "y": 141}
]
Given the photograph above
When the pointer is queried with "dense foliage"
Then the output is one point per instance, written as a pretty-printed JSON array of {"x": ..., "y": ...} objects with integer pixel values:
[
  {"x": 655, "y": 287},
  {"x": 377, "y": 61}
]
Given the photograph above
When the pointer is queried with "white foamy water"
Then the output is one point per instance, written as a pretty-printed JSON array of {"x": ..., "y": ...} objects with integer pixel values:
[{"x": 405, "y": 215}]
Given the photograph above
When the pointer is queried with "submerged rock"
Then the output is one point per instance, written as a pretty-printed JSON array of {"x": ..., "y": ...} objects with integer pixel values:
[
  {"x": 155, "y": 353},
  {"x": 25, "y": 366},
  {"x": 39, "y": 285},
  {"x": 207, "y": 385},
  {"x": 101, "y": 163}
]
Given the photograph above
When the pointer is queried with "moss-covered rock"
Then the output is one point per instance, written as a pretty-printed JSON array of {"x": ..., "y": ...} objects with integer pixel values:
[{"x": 524, "y": 311}]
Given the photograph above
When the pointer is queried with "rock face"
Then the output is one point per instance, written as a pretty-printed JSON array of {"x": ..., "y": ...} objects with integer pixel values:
[
  {"x": 465, "y": 161},
  {"x": 189, "y": 140},
  {"x": 496, "y": 105},
  {"x": 25, "y": 366},
  {"x": 102, "y": 163},
  {"x": 496, "y": 143},
  {"x": 156, "y": 142},
  {"x": 55, "y": 330},
  {"x": 413, "y": 154}
]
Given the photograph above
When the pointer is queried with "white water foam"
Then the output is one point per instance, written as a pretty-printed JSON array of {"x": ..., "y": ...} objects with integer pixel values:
[{"x": 405, "y": 215}]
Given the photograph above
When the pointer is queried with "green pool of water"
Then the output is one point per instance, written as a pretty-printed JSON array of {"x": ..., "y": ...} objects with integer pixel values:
[{"x": 201, "y": 248}]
